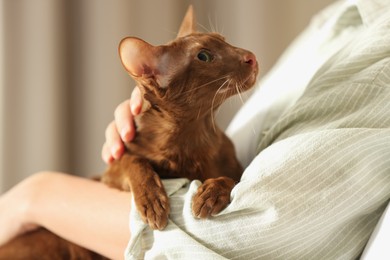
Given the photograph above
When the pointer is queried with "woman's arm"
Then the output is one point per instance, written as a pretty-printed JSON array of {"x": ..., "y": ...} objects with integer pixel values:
[{"x": 83, "y": 211}]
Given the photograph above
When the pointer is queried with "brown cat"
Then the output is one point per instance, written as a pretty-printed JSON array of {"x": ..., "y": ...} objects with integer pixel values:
[{"x": 182, "y": 84}]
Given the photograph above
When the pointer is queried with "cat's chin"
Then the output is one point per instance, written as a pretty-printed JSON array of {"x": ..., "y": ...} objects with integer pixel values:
[
  {"x": 252, "y": 80},
  {"x": 249, "y": 82}
]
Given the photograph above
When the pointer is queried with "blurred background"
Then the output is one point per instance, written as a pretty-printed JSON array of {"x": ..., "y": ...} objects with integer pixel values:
[{"x": 61, "y": 78}]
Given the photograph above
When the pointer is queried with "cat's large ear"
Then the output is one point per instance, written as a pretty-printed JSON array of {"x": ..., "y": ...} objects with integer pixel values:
[
  {"x": 188, "y": 25},
  {"x": 137, "y": 56},
  {"x": 142, "y": 59}
]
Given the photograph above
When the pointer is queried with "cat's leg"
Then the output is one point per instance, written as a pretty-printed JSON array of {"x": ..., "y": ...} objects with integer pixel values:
[
  {"x": 212, "y": 196},
  {"x": 135, "y": 174}
]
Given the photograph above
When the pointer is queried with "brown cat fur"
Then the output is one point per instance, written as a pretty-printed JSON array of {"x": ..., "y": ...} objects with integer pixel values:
[{"x": 182, "y": 84}]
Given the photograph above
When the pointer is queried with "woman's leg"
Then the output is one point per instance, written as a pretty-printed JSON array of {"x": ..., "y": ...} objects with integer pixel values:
[{"x": 83, "y": 211}]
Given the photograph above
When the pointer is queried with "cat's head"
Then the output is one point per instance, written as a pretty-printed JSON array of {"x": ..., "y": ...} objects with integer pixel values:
[{"x": 195, "y": 71}]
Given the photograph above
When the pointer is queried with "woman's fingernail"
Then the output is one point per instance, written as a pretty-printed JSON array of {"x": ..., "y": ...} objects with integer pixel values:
[
  {"x": 135, "y": 109},
  {"x": 125, "y": 134},
  {"x": 109, "y": 159},
  {"x": 115, "y": 150}
]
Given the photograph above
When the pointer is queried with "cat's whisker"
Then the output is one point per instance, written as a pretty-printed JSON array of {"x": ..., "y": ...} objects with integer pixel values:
[
  {"x": 193, "y": 90},
  {"x": 211, "y": 24},
  {"x": 217, "y": 29},
  {"x": 241, "y": 89},
  {"x": 204, "y": 28},
  {"x": 200, "y": 109},
  {"x": 225, "y": 94},
  {"x": 208, "y": 83},
  {"x": 216, "y": 24},
  {"x": 213, "y": 102},
  {"x": 223, "y": 30},
  {"x": 224, "y": 97},
  {"x": 239, "y": 92}
]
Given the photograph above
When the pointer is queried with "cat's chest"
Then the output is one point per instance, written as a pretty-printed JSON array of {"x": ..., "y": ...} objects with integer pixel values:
[
  {"x": 172, "y": 157},
  {"x": 176, "y": 149},
  {"x": 173, "y": 162}
]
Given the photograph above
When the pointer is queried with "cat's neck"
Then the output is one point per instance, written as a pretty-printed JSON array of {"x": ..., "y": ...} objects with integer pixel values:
[
  {"x": 174, "y": 126},
  {"x": 180, "y": 121}
]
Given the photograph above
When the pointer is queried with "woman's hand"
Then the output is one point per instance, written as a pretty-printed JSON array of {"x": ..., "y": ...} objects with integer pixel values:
[{"x": 122, "y": 128}]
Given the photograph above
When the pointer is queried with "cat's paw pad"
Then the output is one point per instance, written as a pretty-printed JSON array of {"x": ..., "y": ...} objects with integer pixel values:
[
  {"x": 153, "y": 206},
  {"x": 212, "y": 197}
]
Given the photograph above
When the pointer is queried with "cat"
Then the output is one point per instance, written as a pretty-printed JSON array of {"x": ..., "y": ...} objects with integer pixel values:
[{"x": 182, "y": 84}]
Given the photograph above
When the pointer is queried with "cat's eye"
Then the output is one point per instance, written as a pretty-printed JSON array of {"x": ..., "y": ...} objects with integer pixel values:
[{"x": 205, "y": 56}]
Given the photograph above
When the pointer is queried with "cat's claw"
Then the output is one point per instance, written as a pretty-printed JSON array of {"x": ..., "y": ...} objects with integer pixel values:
[
  {"x": 156, "y": 213},
  {"x": 212, "y": 197},
  {"x": 153, "y": 206}
]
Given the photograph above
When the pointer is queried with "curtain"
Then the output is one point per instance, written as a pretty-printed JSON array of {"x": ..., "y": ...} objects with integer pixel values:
[{"x": 61, "y": 77}]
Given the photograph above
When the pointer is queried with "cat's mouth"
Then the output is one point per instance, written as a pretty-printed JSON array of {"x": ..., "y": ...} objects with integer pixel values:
[
  {"x": 245, "y": 78},
  {"x": 236, "y": 86}
]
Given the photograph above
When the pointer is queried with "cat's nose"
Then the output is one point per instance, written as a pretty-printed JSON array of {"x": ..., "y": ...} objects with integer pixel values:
[{"x": 250, "y": 59}]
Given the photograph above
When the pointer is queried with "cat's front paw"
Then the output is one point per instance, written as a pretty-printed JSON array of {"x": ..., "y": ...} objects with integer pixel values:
[
  {"x": 212, "y": 197},
  {"x": 153, "y": 205}
]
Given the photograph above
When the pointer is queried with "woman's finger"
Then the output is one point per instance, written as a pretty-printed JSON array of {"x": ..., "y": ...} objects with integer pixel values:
[
  {"x": 124, "y": 121},
  {"x": 114, "y": 141},
  {"x": 136, "y": 101}
]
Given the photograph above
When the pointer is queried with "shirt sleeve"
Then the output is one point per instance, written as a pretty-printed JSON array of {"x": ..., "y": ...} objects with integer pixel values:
[{"x": 310, "y": 196}]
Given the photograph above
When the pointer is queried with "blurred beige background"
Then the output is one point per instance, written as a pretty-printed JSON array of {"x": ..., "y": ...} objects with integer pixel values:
[{"x": 61, "y": 79}]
